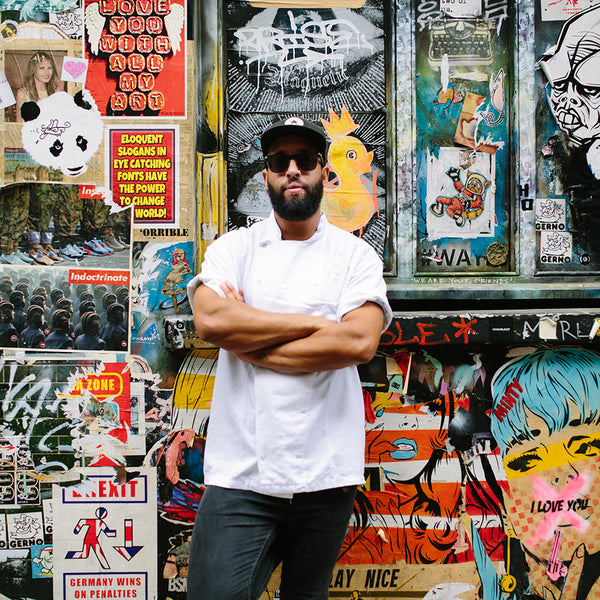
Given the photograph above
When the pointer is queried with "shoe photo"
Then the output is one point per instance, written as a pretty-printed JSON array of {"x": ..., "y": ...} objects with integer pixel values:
[
  {"x": 52, "y": 253},
  {"x": 12, "y": 259},
  {"x": 113, "y": 243},
  {"x": 104, "y": 246},
  {"x": 123, "y": 243},
  {"x": 24, "y": 257},
  {"x": 39, "y": 256},
  {"x": 96, "y": 248},
  {"x": 69, "y": 253},
  {"x": 76, "y": 250}
]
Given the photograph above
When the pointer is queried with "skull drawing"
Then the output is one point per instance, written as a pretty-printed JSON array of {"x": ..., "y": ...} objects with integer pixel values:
[{"x": 572, "y": 68}]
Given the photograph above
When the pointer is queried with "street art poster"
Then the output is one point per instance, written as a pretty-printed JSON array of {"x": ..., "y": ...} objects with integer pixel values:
[
  {"x": 136, "y": 53},
  {"x": 52, "y": 127},
  {"x": 65, "y": 413},
  {"x": 470, "y": 465},
  {"x": 462, "y": 129},
  {"x": 107, "y": 545},
  {"x": 546, "y": 422},
  {"x": 461, "y": 198},
  {"x": 142, "y": 166},
  {"x": 567, "y": 130},
  {"x": 40, "y": 20},
  {"x": 310, "y": 59},
  {"x": 55, "y": 270},
  {"x": 160, "y": 310},
  {"x": 328, "y": 65}
]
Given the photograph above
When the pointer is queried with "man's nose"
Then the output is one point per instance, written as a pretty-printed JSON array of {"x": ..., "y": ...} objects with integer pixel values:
[{"x": 293, "y": 168}]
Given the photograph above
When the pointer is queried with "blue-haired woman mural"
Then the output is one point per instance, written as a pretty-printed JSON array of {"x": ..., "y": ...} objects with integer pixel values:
[{"x": 546, "y": 422}]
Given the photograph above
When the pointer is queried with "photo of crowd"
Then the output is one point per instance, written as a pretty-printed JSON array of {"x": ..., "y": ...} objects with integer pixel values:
[{"x": 45, "y": 312}]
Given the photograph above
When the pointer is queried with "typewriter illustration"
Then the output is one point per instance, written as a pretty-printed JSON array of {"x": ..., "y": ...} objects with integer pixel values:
[{"x": 465, "y": 41}]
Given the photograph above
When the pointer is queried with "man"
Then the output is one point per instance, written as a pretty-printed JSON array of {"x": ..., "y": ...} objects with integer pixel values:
[
  {"x": 59, "y": 337},
  {"x": 295, "y": 304},
  {"x": 9, "y": 336}
]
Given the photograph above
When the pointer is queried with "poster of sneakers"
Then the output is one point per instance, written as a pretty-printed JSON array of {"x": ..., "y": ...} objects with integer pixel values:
[{"x": 65, "y": 268}]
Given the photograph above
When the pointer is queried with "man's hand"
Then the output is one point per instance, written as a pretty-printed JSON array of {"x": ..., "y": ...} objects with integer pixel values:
[
  {"x": 351, "y": 342},
  {"x": 231, "y": 292}
]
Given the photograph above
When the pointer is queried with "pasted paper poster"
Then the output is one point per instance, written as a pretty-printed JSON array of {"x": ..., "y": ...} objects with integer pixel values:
[
  {"x": 460, "y": 194},
  {"x": 106, "y": 546},
  {"x": 136, "y": 53}
]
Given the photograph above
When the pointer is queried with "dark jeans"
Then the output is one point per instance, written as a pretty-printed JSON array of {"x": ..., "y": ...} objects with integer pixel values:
[{"x": 240, "y": 537}]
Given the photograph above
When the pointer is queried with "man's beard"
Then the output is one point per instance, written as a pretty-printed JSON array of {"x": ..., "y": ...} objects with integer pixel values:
[{"x": 297, "y": 209}]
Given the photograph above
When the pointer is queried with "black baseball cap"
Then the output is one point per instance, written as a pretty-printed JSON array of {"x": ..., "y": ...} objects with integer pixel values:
[{"x": 295, "y": 126}]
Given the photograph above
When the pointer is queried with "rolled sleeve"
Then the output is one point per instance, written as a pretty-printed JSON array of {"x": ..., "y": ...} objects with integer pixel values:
[
  {"x": 220, "y": 265},
  {"x": 366, "y": 285}
]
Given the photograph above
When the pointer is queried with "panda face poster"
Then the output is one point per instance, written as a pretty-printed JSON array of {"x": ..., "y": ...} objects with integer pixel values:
[{"x": 136, "y": 54}]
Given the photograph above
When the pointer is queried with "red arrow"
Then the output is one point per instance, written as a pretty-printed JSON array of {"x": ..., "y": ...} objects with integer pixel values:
[{"x": 128, "y": 551}]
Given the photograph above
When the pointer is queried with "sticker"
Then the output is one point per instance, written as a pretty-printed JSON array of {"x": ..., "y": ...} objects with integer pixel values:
[
  {"x": 74, "y": 69},
  {"x": 42, "y": 561},
  {"x": 7, "y": 98},
  {"x": 144, "y": 174},
  {"x": 555, "y": 247},
  {"x": 9, "y": 30},
  {"x": 71, "y": 22},
  {"x": 468, "y": 121},
  {"x": 107, "y": 545},
  {"x": 460, "y": 194},
  {"x": 551, "y": 214},
  {"x": 461, "y": 8},
  {"x": 63, "y": 131},
  {"x": 25, "y": 529},
  {"x": 462, "y": 42},
  {"x": 497, "y": 254},
  {"x": 560, "y": 10}
]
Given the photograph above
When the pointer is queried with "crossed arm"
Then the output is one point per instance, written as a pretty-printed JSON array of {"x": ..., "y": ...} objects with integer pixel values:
[{"x": 283, "y": 341}]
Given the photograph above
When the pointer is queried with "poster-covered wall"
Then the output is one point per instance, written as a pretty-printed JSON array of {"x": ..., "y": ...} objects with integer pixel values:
[{"x": 482, "y": 429}]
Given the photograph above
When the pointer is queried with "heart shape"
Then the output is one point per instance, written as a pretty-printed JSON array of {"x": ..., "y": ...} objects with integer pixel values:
[{"x": 75, "y": 69}]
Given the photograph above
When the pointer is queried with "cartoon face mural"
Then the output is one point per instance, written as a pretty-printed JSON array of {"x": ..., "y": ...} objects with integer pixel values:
[
  {"x": 347, "y": 203},
  {"x": 62, "y": 131},
  {"x": 546, "y": 420},
  {"x": 572, "y": 68},
  {"x": 404, "y": 439}
]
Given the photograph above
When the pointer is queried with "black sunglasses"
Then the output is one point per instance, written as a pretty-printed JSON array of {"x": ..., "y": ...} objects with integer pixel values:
[{"x": 305, "y": 160}]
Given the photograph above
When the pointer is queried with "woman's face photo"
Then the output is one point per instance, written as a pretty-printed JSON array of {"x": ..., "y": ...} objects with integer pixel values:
[{"x": 44, "y": 71}]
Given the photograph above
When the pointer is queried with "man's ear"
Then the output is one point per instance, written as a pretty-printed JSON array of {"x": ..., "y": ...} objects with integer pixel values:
[{"x": 264, "y": 174}]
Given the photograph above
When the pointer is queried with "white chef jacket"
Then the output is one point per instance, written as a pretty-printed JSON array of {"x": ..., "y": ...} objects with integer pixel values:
[{"x": 284, "y": 433}]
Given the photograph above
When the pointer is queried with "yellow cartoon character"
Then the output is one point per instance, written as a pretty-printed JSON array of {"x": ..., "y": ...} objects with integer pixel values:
[{"x": 347, "y": 203}]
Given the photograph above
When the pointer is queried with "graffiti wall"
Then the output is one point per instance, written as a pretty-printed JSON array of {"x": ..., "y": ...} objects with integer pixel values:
[
  {"x": 329, "y": 65},
  {"x": 566, "y": 138},
  {"x": 462, "y": 147},
  {"x": 463, "y": 131}
]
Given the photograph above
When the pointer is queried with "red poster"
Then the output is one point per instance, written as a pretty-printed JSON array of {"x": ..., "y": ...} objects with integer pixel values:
[
  {"x": 136, "y": 53},
  {"x": 143, "y": 173}
]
